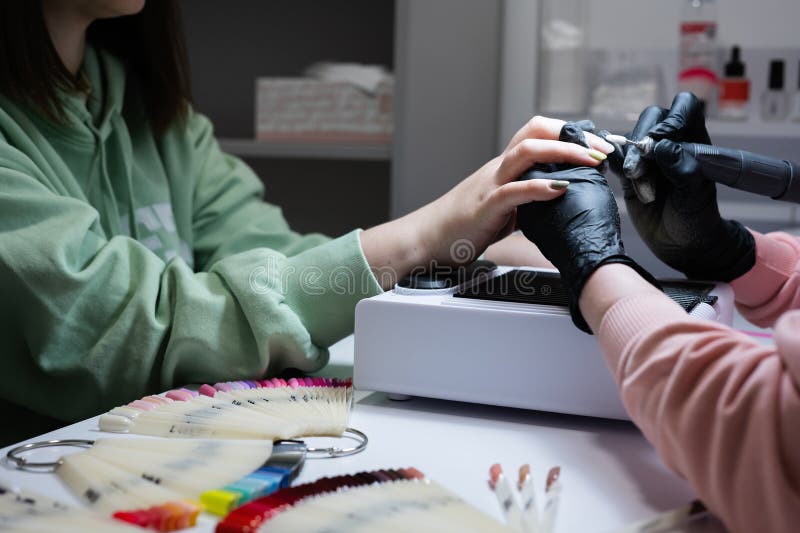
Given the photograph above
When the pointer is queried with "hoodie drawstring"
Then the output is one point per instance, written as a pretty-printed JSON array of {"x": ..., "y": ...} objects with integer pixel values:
[{"x": 106, "y": 192}]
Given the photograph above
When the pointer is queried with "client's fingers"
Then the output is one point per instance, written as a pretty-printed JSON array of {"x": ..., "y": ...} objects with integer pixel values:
[
  {"x": 517, "y": 193},
  {"x": 531, "y": 151},
  {"x": 549, "y": 129}
]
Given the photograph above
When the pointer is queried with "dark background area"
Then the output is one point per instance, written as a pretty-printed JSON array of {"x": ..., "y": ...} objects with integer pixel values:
[{"x": 232, "y": 43}]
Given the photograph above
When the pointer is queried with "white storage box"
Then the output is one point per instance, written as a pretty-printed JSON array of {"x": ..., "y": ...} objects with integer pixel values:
[{"x": 304, "y": 109}]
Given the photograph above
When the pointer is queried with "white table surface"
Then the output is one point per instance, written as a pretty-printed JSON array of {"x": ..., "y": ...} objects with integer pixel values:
[{"x": 611, "y": 475}]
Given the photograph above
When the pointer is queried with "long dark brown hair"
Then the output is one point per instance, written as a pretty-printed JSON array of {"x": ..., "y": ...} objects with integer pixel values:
[{"x": 150, "y": 43}]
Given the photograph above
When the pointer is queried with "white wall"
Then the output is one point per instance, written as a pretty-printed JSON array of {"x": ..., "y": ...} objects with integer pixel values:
[
  {"x": 764, "y": 28},
  {"x": 654, "y": 23},
  {"x": 447, "y": 56}
]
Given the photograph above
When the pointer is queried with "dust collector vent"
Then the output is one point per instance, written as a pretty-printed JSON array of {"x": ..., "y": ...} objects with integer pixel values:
[{"x": 545, "y": 288}]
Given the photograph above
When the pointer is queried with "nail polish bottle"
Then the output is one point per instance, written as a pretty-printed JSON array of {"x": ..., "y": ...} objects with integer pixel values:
[
  {"x": 734, "y": 89},
  {"x": 796, "y": 100},
  {"x": 775, "y": 101}
]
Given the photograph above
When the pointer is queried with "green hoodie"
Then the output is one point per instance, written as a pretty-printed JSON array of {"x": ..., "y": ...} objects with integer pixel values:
[{"x": 131, "y": 263}]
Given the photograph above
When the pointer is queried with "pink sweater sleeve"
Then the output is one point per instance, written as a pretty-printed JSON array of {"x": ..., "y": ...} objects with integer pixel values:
[
  {"x": 772, "y": 286},
  {"x": 722, "y": 410}
]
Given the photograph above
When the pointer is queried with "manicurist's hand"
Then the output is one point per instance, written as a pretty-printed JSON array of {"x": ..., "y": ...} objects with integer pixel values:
[
  {"x": 458, "y": 226},
  {"x": 579, "y": 232},
  {"x": 682, "y": 224}
]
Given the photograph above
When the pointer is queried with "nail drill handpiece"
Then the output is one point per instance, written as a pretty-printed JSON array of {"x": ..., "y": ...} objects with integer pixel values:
[{"x": 766, "y": 176}]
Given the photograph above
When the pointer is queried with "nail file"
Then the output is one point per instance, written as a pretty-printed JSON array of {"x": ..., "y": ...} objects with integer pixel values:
[
  {"x": 264, "y": 409},
  {"x": 384, "y": 500}
]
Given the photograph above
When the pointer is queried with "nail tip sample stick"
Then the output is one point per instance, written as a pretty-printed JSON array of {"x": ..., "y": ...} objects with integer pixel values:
[
  {"x": 530, "y": 514},
  {"x": 505, "y": 497},
  {"x": 552, "y": 492}
]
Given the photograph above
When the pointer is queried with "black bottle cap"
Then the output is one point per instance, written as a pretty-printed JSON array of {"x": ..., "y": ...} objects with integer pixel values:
[
  {"x": 776, "y": 74},
  {"x": 735, "y": 68}
]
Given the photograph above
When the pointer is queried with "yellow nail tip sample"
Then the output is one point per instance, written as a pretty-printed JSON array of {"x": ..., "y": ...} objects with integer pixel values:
[
  {"x": 596, "y": 154},
  {"x": 220, "y": 502}
]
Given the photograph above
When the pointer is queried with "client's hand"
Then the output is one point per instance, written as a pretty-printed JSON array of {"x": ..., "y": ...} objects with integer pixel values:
[
  {"x": 682, "y": 224},
  {"x": 482, "y": 208},
  {"x": 458, "y": 226},
  {"x": 578, "y": 232}
]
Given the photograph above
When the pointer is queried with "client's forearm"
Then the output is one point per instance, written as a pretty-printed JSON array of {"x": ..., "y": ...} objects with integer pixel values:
[{"x": 394, "y": 248}]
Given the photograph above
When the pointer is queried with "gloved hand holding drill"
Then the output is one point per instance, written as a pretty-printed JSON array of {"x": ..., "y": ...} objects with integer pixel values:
[
  {"x": 670, "y": 200},
  {"x": 682, "y": 224}
]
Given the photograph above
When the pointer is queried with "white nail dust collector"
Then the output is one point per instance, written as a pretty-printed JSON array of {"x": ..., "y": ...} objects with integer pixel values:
[{"x": 498, "y": 336}]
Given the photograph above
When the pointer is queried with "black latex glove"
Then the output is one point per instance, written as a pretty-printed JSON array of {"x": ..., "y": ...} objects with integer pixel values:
[
  {"x": 575, "y": 132},
  {"x": 578, "y": 232},
  {"x": 682, "y": 226}
]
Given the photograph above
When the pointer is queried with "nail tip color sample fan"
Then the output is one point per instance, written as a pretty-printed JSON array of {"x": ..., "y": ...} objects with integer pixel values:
[
  {"x": 383, "y": 500},
  {"x": 263, "y": 409},
  {"x": 156, "y": 483},
  {"x": 28, "y": 512}
]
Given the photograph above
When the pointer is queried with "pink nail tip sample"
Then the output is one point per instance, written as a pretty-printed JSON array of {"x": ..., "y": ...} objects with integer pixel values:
[
  {"x": 179, "y": 395},
  {"x": 207, "y": 390},
  {"x": 142, "y": 405}
]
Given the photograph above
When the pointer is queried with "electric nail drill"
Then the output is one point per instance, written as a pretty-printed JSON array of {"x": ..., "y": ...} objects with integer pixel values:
[{"x": 766, "y": 176}]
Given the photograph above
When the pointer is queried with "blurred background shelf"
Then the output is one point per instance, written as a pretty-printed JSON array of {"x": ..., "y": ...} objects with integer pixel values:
[
  {"x": 320, "y": 187},
  {"x": 307, "y": 150},
  {"x": 785, "y": 130}
]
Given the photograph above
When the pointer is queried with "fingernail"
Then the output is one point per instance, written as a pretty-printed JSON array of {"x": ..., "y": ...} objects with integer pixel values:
[
  {"x": 559, "y": 184},
  {"x": 596, "y": 154},
  {"x": 606, "y": 147}
]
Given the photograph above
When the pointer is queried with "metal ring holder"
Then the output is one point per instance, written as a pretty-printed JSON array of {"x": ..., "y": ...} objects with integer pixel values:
[
  {"x": 16, "y": 456},
  {"x": 334, "y": 451},
  {"x": 19, "y": 461}
]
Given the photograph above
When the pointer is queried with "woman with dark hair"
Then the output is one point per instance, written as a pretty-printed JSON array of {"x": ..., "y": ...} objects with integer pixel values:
[{"x": 135, "y": 255}]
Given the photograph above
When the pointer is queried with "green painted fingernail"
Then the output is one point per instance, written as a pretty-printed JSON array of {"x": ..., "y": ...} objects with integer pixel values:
[
  {"x": 559, "y": 184},
  {"x": 597, "y": 154}
]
